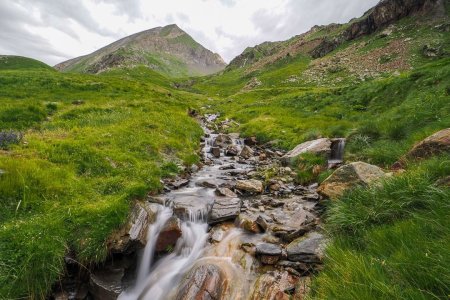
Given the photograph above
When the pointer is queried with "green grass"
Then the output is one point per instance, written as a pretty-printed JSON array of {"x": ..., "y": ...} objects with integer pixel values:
[
  {"x": 390, "y": 241},
  {"x": 73, "y": 178},
  {"x": 9, "y": 62}
]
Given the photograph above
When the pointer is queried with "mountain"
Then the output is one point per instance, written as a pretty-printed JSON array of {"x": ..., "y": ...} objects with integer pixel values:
[
  {"x": 168, "y": 50},
  {"x": 322, "y": 40},
  {"x": 11, "y": 62}
]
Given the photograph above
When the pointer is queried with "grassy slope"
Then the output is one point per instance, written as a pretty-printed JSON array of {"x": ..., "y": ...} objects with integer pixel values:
[
  {"x": 72, "y": 179},
  {"x": 10, "y": 62}
]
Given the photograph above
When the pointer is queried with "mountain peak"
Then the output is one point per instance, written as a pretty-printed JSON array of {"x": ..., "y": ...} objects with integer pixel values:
[{"x": 168, "y": 50}]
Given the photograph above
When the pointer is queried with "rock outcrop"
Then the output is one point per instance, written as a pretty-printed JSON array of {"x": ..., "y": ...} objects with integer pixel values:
[
  {"x": 349, "y": 176},
  {"x": 435, "y": 144}
]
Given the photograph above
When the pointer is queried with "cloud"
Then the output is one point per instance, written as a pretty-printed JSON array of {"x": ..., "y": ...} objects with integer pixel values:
[{"x": 131, "y": 8}]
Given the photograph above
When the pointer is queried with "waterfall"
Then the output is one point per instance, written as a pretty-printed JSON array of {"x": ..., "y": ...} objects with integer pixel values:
[{"x": 337, "y": 153}]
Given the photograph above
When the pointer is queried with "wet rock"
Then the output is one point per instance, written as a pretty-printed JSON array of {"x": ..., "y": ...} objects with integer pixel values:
[
  {"x": 225, "y": 192},
  {"x": 216, "y": 234},
  {"x": 227, "y": 167},
  {"x": 133, "y": 235},
  {"x": 178, "y": 183},
  {"x": 269, "y": 254},
  {"x": 215, "y": 151},
  {"x": 307, "y": 250},
  {"x": 224, "y": 209},
  {"x": 169, "y": 235},
  {"x": 204, "y": 282},
  {"x": 106, "y": 284},
  {"x": 207, "y": 184},
  {"x": 272, "y": 285},
  {"x": 246, "y": 152},
  {"x": 320, "y": 146},
  {"x": 248, "y": 223},
  {"x": 349, "y": 176},
  {"x": 231, "y": 150},
  {"x": 250, "y": 141},
  {"x": 300, "y": 267},
  {"x": 222, "y": 140},
  {"x": 435, "y": 144},
  {"x": 262, "y": 223},
  {"x": 251, "y": 186}
]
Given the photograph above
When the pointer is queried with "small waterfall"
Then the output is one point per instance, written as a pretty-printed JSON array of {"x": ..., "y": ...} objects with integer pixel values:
[
  {"x": 158, "y": 281},
  {"x": 337, "y": 153}
]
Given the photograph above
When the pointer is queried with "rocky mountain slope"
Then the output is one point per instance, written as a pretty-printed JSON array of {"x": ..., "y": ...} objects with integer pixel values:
[
  {"x": 168, "y": 50},
  {"x": 390, "y": 37}
]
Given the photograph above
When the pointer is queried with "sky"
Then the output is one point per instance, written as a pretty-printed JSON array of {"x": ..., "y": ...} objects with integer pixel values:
[{"x": 56, "y": 30}]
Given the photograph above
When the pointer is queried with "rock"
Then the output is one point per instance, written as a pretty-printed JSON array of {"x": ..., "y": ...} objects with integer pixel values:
[
  {"x": 269, "y": 254},
  {"x": 224, "y": 209},
  {"x": 215, "y": 151},
  {"x": 178, "y": 183},
  {"x": 225, "y": 192},
  {"x": 169, "y": 235},
  {"x": 349, "y": 176},
  {"x": 206, "y": 184},
  {"x": 248, "y": 223},
  {"x": 216, "y": 234},
  {"x": 298, "y": 266},
  {"x": 435, "y": 144},
  {"x": 133, "y": 235},
  {"x": 272, "y": 285},
  {"x": 432, "y": 51},
  {"x": 302, "y": 288},
  {"x": 262, "y": 223},
  {"x": 61, "y": 296},
  {"x": 222, "y": 140},
  {"x": 204, "y": 282},
  {"x": 250, "y": 141},
  {"x": 231, "y": 150},
  {"x": 307, "y": 250},
  {"x": 246, "y": 152},
  {"x": 320, "y": 146},
  {"x": 106, "y": 284},
  {"x": 228, "y": 167},
  {"x": 251, "y": 186},
  {"x": 253, "y": 83}
]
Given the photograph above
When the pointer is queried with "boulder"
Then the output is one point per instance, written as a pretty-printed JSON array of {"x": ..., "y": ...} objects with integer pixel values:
[
  {"x": 215, "y": 151},
  {"x": 222, "y": 140},
  {"x": 320, "y": 146},
  {"x": 307, "y": 250},
  {"x": 246, "y": 152},
  {"x": 250, "y": 186},
  {"x": 231, "y": 150},
  {"x": 206, "y": 184},
  {"x": 349, "y": 176},
  {"x": 169, "y": 235},
  {"x": 435, "y": 144},
  {"x": 203, "y": 282},
  {"x": 224, "y": 209},
  {"x": 133, "y": 235}
]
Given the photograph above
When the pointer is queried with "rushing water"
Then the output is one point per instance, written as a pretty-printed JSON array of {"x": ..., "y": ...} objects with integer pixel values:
[
  {"x": 157, "y": 280},
  {"x": 337, "y": 152}
]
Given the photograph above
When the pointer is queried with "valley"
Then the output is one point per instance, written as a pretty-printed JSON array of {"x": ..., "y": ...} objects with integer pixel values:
[{"x": 312, "y": 168}]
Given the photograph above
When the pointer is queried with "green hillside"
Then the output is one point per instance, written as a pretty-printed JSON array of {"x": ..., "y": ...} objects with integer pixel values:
[{"x": 10, "y": 62}]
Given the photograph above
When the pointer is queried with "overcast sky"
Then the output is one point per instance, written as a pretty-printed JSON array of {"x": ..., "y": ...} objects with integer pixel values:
[{"x": 56, "y": 30}]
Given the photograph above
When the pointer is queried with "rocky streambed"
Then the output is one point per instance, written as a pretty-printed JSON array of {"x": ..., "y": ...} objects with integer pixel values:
[{"x": 229, "y": 231}]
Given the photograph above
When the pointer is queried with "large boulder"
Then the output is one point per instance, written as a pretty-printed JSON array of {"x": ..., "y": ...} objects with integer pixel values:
[
  {"x": 349, "y": 176},
  {"x": 133, "y": 235},
  {"x": 246, "y": 152},
  {"x": 223, "y": 209},
  {"x": 204, "y": 282},
  {"x": 250, "y": 186},
  {"x": 437, "y": 143},
  {"x": 308, "y": 250},
  {"x": 320, "y": 146}
]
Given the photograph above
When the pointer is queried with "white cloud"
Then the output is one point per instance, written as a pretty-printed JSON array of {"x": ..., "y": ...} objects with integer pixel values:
[{"x": 54, "y": 30}]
